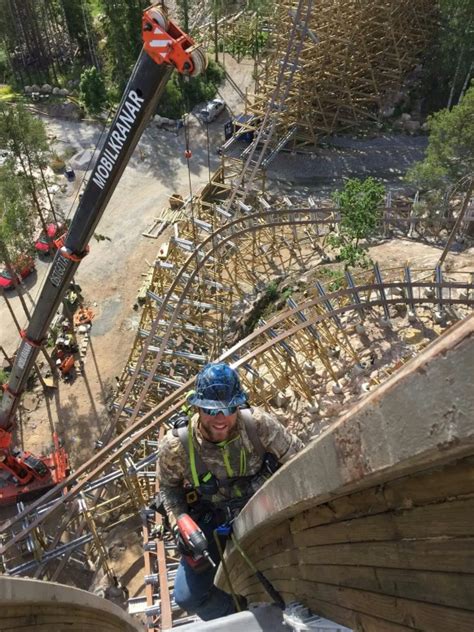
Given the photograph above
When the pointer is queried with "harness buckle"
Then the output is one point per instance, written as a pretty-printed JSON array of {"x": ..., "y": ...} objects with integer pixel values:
[{"x": 192, "y": 497}]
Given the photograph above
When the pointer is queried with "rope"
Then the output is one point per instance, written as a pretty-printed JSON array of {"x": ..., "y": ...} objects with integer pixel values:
[
  {"x": 273, "y": 593},
  {"x": 187, "y": 150},
  {"x": 188, "y": 154},
  {"x": 271, "y": 590},
  {"x": 226, "y": 571}
]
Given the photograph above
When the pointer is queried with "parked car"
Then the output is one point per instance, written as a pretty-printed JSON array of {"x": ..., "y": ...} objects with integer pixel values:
[
  {"x": 22, "y": 267},
  {"x": 45, "y": 242},
  {"x": 211, "y": 110},
  {"x": 69, "y": 173}
]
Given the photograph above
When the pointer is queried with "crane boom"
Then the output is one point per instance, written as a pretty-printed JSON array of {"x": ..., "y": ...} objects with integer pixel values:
[{"x": 165, "y": 47}]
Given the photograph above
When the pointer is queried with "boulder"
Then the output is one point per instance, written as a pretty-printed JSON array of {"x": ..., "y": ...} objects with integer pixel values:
[
  {"x": 46, "y": 89},
  {"x": 388, "y": 112},
  {"x": 280, "y": 400},
  {"x": 412, "y": 126}
]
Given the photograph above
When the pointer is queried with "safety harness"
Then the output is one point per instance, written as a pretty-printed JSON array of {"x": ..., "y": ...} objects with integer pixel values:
[{"x": 205, "y": 484}]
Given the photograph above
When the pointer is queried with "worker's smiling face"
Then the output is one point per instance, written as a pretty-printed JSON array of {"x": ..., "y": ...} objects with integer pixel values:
[{"x": 217, "y": 428}]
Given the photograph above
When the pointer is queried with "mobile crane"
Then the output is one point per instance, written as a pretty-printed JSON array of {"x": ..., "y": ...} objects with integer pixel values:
[{"x": 165, "y": 47}]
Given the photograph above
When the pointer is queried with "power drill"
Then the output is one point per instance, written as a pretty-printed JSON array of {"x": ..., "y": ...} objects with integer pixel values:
[{"x": 195, "y": 542}]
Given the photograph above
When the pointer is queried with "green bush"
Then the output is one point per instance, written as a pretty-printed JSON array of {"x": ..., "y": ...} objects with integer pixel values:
[
  {"x": 449, "y": 156},
  {"x": 6, "y": 93},
  {"x": 271, "y": 291},
  {"x": 4, "y": 377},
  {"x": 182, "y": 95},
  {"x": 359, "y": 203},
  {"x": 93, "y": 95},
  {"x": 334, "y": 278}
]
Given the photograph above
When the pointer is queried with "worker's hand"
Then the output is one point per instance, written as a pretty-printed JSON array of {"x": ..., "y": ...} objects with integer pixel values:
[
  {"x": 158, "y": 531},
  {"x": 183, "y": 548}
]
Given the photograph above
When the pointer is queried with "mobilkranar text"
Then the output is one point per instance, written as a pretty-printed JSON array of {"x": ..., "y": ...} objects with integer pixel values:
[{"x": 125, "y": 120}]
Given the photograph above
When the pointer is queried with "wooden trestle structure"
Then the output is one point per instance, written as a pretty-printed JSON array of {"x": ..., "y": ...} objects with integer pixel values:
[
  {"x": 217, "y": 291},
  {"x": 352, "y": 63},
  {"x": 324, "y": 347}
]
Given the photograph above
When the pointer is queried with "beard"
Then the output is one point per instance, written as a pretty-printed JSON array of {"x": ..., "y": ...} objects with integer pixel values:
[{"x": 211, "y": 431}]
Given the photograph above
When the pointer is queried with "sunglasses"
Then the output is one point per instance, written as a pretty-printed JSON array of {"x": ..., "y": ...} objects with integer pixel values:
[{"x": 213, "y": 412}]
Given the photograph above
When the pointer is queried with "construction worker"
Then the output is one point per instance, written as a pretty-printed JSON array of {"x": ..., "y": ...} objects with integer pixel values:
[{"x": 210, "y": 469}]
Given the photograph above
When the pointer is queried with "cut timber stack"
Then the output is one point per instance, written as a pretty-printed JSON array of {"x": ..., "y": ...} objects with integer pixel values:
[{"x": 372, "y": 524}]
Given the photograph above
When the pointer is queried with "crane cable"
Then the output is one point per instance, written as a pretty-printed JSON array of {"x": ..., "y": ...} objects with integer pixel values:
[{"x": 188, "y": 156}]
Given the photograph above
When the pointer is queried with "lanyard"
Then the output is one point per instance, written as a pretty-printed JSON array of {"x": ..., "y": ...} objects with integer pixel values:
[{"x": 224, "y": 445}]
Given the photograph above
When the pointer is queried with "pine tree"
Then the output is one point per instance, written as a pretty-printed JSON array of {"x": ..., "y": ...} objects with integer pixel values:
[
  {"x": 93, "y": 95},
  {"x": 25, "y": 137},
  {"x": 449, "y": 157}
]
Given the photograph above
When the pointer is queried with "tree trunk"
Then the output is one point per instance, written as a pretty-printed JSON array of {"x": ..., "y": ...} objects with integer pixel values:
[
  {"x": 12, "y": 313},
  {"x": 5, "y": 255},
  {"x": 462, "y": 212},
  {"x": 29, "y": 174},
  {"x": 466, "y": 82},
  {"x": 455, "y": 78},
  {"x": 7, "y": 358},
  {"x": 51, "y": 205},
  {"x": 216, "y": 35},
  {"x": 18, "y": 327},
  {"x": 90, "y": 37}
]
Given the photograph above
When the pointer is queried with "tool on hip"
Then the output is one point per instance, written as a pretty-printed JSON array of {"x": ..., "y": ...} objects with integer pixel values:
[{"x": 196, "y": 547}]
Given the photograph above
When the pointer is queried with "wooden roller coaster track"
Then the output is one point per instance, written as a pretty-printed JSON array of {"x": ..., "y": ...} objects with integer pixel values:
[{"x": 227, "y": 252}]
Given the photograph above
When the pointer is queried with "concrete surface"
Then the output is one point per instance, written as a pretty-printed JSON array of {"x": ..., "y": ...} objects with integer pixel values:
[{"x": 264, "y": 618}]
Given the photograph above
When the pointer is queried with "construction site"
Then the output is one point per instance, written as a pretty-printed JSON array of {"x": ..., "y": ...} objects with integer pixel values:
[{"x": 370, "y": 527}]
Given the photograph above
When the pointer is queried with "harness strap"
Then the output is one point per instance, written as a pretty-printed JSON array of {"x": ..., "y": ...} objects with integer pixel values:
[
  {"x": 198, "y": 467},
  {"x": 196, "y": 464}
]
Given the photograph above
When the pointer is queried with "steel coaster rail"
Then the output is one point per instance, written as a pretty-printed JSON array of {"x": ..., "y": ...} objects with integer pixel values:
[
  {"x": 198, "y": 258},
  {"x": 169, "y": 406}
]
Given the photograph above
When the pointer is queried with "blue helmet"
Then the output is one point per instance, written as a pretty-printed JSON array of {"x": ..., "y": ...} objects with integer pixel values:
[{"x": 217, "y": 386}]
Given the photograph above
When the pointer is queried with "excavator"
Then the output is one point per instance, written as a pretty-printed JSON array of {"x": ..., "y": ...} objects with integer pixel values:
[{"x": 165, "y": 48}]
